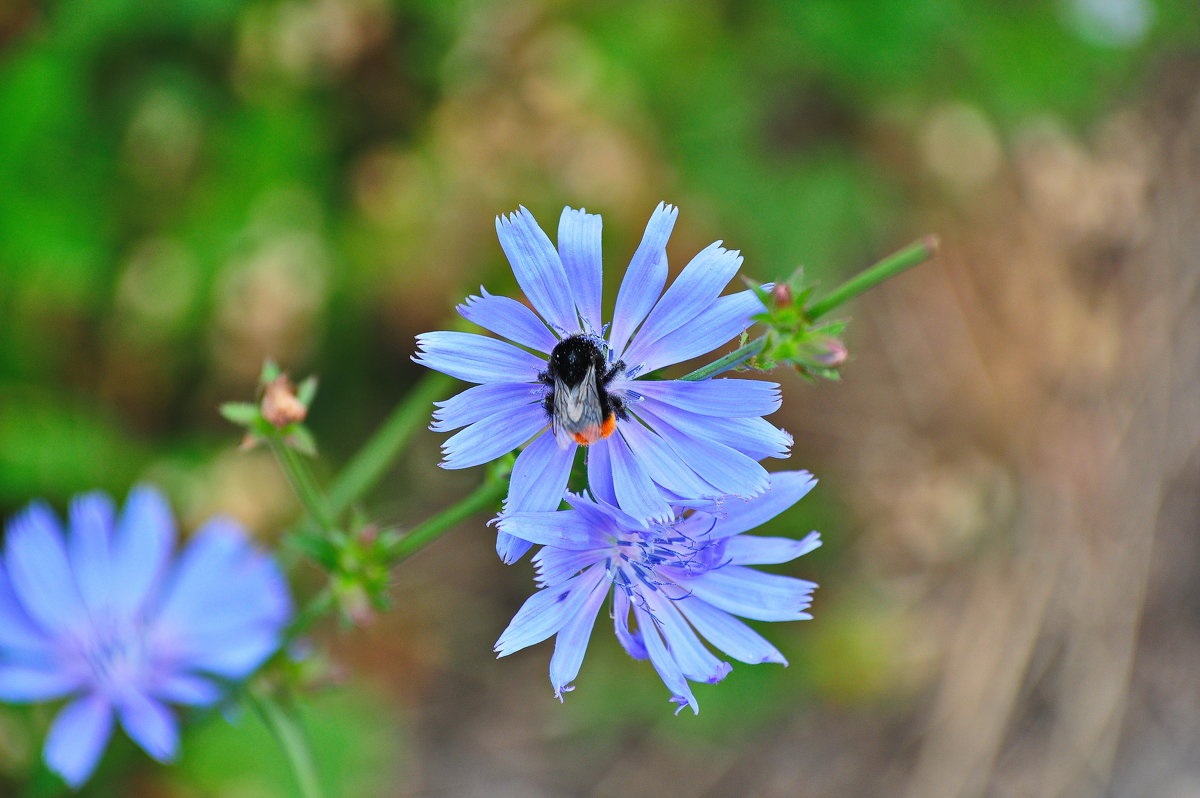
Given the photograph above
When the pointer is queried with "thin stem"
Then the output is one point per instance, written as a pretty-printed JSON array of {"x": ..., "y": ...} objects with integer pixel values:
[
  {"x": 378, "y": 453},
  {"x": 733, "y": 359},
  {"x": 890, "y": 266},
  {"x": 490, "y": 491},
  {"x": 303, "y": 483},
  {"x": 287, "y": 732}
]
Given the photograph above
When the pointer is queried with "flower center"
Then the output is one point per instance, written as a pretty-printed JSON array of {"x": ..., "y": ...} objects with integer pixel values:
[
  {"x": 114, "y": 656},
  {"x": 656, "y": 560}
]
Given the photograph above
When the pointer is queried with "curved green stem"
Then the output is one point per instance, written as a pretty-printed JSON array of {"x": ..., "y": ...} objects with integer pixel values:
[
  {"x": 378, "y": 453},
  {"x": 300, "y": 477},
  {"x": 732, "y": 360},
  {"x": 490, "y": 491},
  {"x": 286, "y": 730},
  {"x": 872, "y": 276}
]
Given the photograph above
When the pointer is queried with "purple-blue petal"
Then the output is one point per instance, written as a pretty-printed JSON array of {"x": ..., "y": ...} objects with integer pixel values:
[
  {"x": 21, "y": 684},
  {"x": 538, "y": 269},
  {"x": 726, "y": 319},
  {"x": 547, "y": 611},
  {"x": 579, "y": 250},
  {"x": 694, "y": 291},
  {"x": 141, "y": 548},
  {"x": 20, "y": 638},
  {"x": 510, "y": 548},
  {"x": 92, "y": 519},
  {"x": 666, "y": 666},
  {"x": 509, "y": 319},
  {"x": 555, "y": 566},
  {"x": 636, "y": 493},
  {"x": 751, "y": 550},
  {"x": 491, "y": 437},
  {"x": 663, "y": 465},
  {"x": 755, "y": 437},
  {"x": 149, "y": 724},
  {"x": 630, "y": 640},
  {"x": 480, "y": 401},
  {"x": 187, "y": 689},
  {"x": 476, "y": 358},
  {"x": 645, "y": 278},
  {"x": 730, "y": 398},
  {"x": 754, "y": 594},
  {"x": 77, "y": 738},
  {"x": 599, "y": 471},
  {"x": 787, "y": 488},
  {"x": 726, "y": 469},
  {"x": 563, "y": 529},
  {"x": 40, "y": 572},
  {"x": 570, "y": 645},
  {"x": 539, "y": 477},
  {"x": 728, "y": 633},
  {"x": 695, "y": 661}
]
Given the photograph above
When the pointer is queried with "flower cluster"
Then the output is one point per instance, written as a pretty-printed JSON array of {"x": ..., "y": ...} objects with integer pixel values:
[
  {"x": 673, "y": 465},
  {"x": 104, "y": 615}
]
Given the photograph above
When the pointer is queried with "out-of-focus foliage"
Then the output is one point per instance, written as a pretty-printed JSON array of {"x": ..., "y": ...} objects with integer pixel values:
[{"x": 189, "y": 186}]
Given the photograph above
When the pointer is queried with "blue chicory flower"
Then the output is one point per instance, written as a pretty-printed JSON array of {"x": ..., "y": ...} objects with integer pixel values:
[
  {"x": 678, "y": 579},
  {"x": 569, "y": 380},
  {"x": 104, "y": 615}
]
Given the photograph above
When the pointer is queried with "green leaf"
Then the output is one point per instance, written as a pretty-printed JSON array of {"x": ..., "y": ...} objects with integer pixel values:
[
  {"x": 307, "y": 391},
  {"x": 299, "y": 438},
  {"x": 241, "y": 413},
  {"x": 270, "y": 371}
]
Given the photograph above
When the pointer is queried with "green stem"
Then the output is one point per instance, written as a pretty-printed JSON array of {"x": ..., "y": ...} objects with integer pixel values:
[
  {"x": 890, "y": 266},
  {"x": 378, "y": 453},
  {"x": 484, "y": 497},
  {"x": 734, "y": 358},
  {"x": 285, "y": 728},
  {"x": 312, "y": 612},
  {"x": 304, "y": 484}
]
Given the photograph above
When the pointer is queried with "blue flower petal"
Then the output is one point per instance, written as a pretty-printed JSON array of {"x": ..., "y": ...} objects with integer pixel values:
[
  {"x": 663, "y": 465},
  {"x": 150, "y": 725},
  {"x": 510, "y": 548},
  {"x": 141, "y": 548},
  {"x": 496, "y": 435},
  {"x": 730, "y": 398},
  {"x": 91, "y": 523},
  {"x": 40, "y": 573},
  {"x": 562, "y": 529},
  {"x": 754, "y": 594},
  {"x": 539, "y": 477},
  {"x": 668, "y": 669},
  {"x": 20, "y": 638},
  {"x": 571, "y": 644},
  {"x": 599, "y": 473},
  {"x": 728, "y": 470},
  {"x": 728, "y": 633},
  {"x": 751, "y": 550},
  {"x": 636, "y": 492},
  {"x": 476, "y": 358},
  {"x": 20, "y": 684},
  {"x": 555, "y": 566},
  {"x": 187, "y": 689},
  {"x": 630, "y": 640},
  {"x": 645, "y": 278},
  {"x": 787, "y": 488},
  {"x": 538, "y": 270},
  {"x": 695, "y": 661},
  {"x": 480, "y": 401},
  {"x": 547, "y": 611},
  {"x": 579, "y": 250},
  {"x": 510, "y": 319},
  {"x": 77, "y": 738},
  {"x": 726, "y": 319},
  {"x": 694, "y": 291},
  {"x": 225, "y": 603},
  {"x": 756, "y": 438}
]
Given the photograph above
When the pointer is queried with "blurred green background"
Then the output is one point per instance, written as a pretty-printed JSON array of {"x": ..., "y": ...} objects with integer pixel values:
[{"x": 189, "y": 186}]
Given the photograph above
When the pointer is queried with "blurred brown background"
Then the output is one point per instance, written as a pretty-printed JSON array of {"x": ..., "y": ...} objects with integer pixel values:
[{"x": 1010, "y": 595}]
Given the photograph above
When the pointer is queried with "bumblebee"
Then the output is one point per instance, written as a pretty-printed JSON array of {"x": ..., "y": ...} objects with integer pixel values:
[{"x": 580, "y": 407}]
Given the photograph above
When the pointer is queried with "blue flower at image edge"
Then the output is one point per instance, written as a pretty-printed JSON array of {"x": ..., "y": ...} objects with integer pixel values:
[
  {"x": 668, "y": 440},
  {"x": 681, "y": 581},
  {"x": 107, "y": 616}
]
